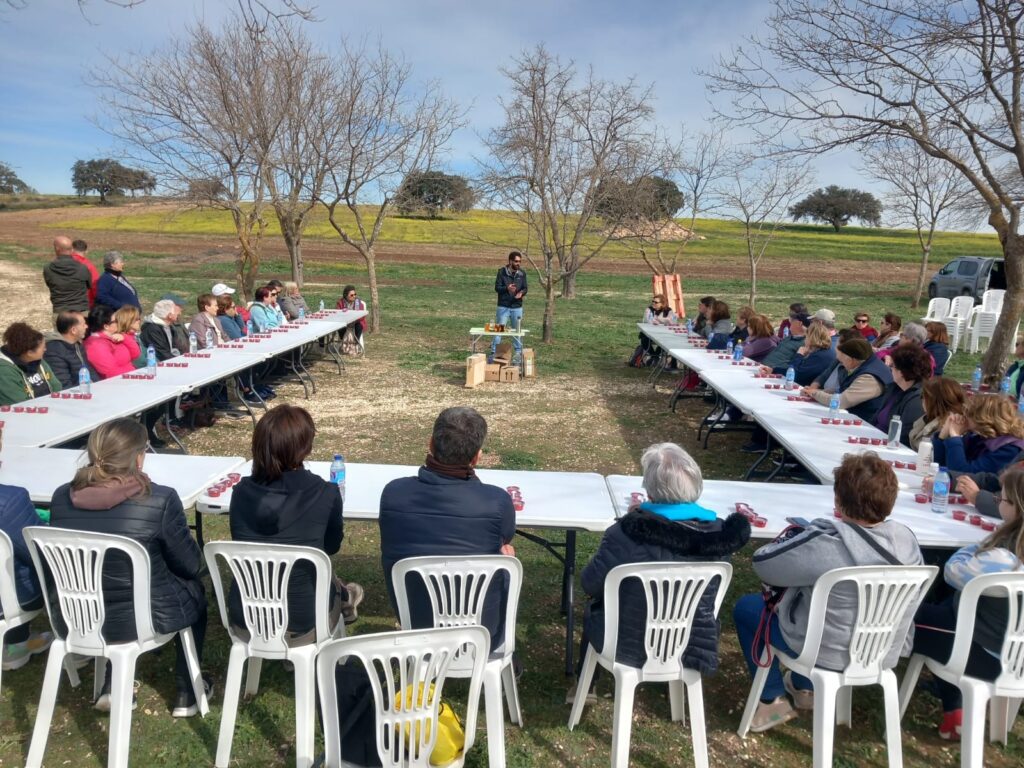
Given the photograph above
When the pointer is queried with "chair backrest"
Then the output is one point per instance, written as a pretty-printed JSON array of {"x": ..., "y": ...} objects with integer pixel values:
[
  {"x": 457, "y": 587},
  {"x": 400, "y": 665},
  {"x": 74, "y": 572},
  {"x": 985, "y": 323},
  {"x": 672, "y": 592},
  {"x": 262, "y": 572},
  {"x": 938, "y": 308},
  {"x": 886, "y": 594},
  {"x": 1011, "y": 680},
  {"x": 992, "y": 300},
  {"x": 10, "y": 607},
  {"x": 961, "y": 306}
]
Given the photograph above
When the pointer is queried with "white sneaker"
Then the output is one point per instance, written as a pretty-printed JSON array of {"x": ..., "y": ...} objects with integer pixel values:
[{"x": 17, "y": 655}]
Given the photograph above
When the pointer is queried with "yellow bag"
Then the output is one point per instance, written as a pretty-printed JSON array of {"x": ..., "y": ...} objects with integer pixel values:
[{"x": 451, "y": 738}]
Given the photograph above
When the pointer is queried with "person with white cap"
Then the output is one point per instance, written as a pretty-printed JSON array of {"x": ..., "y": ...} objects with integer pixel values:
[
  {"x": 827, "y": 318},
  {"x": 220, "y": 289}
]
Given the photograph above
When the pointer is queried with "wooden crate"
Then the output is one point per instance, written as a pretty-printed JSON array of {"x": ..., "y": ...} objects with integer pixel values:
[{"x": 671, "y": 286}]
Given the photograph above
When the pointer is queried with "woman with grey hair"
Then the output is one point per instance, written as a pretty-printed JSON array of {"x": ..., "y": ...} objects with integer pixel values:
[
  {"x": 113, "y": 289},
  {"x": 291, "y": 301},
  {"x": 669, "y": 526},
  {"x": 911, "y": 333}
]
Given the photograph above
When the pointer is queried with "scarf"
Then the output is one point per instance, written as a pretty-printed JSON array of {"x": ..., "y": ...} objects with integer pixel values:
[
  {"x": 107, "y": 495},
  {"x": 686, "y": 510},
  {"x": 454, "y": 471}
]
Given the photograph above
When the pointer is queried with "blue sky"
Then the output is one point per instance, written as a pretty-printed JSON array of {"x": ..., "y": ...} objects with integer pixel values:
[{"x": 47, "y": 49}]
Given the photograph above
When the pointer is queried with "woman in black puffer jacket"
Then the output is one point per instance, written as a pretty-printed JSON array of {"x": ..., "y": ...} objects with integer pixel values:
[
  {"x": 671, "y": 526},
  {"x": 113, "y": 495}
]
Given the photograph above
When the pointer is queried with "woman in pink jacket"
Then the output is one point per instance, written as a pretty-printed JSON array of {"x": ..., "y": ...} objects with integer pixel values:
[{"x": 109, "y": 352}]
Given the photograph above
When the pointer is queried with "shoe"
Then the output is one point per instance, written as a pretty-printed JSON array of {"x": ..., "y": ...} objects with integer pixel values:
[
  {"x": 266, "y": 393},
  {"x": 349, "y": 608},
  {"x": 251, "y": 398},
  {"x": 771, "y": 713},
  {"x": 17, "y": 655},
  {"x": 753, "y": 448},
  {"x": 186, "y": 705},
  {"x": 803, "y": 698},
  {"x": 570, "y": 696},
  {"x": 951, "y": 726},
  {"x": 102, "y": 703}
]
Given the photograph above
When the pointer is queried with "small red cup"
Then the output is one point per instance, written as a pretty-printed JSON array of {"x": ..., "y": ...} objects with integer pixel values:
[
  {"x": 518, "y": 506},
  {"x": 852, "y": 439},
  {"x": 975, "y": 519},
  {"x": 19, "y": 409},
  {"x": 912, "y": 466},
  {"x": 959, "y": 514},
  {"x": 759, "y": 522},
  {"x": 43, "y": 409},
  {"x": 512, "y": 488},
  {"x": 825, "y": 420},
  {"x": 847, "y": 422},
  {"x": 213, "y": 492},
  {"x": 55, "y": 394},
  {"x": 988, "y": 525},
  {"x": 77, "y": 395},
  {"x": 837, "y": 421},
  {"x": 864, "y": 440},
  {"x": 876, "y": 441},
  {"x": 234, "y": 477},
  {"x": 5, "y": 408},
  {"x": 899, "y": 464},
  {"x": 921, "y": 498},
  {"x": 65, "y": 395}
]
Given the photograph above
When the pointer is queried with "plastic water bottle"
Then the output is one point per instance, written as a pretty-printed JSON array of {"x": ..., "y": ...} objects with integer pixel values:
[
  {"x": 924, "y": 456},
  {"x": 1020, "y": 403},
  {"x": 790, "y": 377},
  {"x": 689, "y": 325},
  {"x": 150, "y": 361},
  {"x": 785, "y": 332},
  {"x": 209, "y": 338},
  {"x": 940, "y": 492},
  {"x": 84, "y": 382},
  {"x": 251, "y": 327},
  {"x": 976, "y": 379},
  {"x": 338, "y": 473},
  {"x": 321, "y": 305},
  {"x": 895, "y": 431},
  {"x": 833, "y": 406},
  {"x": 1004, "y": 386},
  {"x": 302, "y": 313},
  {"x": 729, "y": 347},
  {"x": 737, "y": 351},
  {"x": 193, "y": 343}
]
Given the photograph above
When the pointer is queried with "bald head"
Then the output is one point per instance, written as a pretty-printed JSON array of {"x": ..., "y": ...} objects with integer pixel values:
[{"x": 62, "y": 245}]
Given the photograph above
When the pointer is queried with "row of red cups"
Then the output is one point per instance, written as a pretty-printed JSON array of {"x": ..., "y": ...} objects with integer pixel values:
[
  {"x": 218, "y": 488},
  {"x": 517, "y": 497}
]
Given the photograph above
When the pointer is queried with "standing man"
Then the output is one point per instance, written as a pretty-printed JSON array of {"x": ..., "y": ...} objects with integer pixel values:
[
  {"x": 510, "y": 285},
  {"x": 68, "y": 281},
  {"x": 80, "y": 253}
]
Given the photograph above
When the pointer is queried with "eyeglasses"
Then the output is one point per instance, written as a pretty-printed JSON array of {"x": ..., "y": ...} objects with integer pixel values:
[{"x": 860, "y": 320}]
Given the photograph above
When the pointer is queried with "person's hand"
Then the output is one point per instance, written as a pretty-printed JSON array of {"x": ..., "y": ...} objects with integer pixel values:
[
  {"x": 508, "y": 549},
  {"x": 117, "y": 338},
  {"x": 956, "y": 425},
  {"x": 811, "y": 388},
  {"x": 764, "y": 369},
  {"x": 802, "y": 350},
  {"x": 967, "y": 488},
  {"x": 926, "y": 484}
]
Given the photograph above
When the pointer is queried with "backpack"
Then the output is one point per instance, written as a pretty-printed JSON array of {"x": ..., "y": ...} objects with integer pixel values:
[
  {"x": 357, "y": 713},
  {"x": 639, "y": 358},
  {"x": 349, "y": 343}
]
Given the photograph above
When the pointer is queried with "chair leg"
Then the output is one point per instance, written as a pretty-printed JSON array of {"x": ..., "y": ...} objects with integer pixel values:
[
  {"x": 47, "y": 700},
  {"x": 910, "y": 681},
  {"x": 626, "y": 680},
  {"x": 99, "y": 676},
  {"x": 844, "y": 706},
  {"x": 232, "y": 685},
  {"x": 972, "y": 739},
  {"x": 676, "y": 701},
  {"x": 511, "y": 688},
  {"x": 695, "y": 699},
  {"x": 752, "y": 701},
  {"x": 826, "y": 690},
  {"x": 582, "y": 686},
  {"x": 495, "y": 712},
  {"x": 122, "y": 676},
  {"x": 252, "y": 676},
  {"x": 188, "y": 643},
  {"x": 998, "y": 727},
  {"x": 305, "y": 708},
  {"x": 893, "y": 734}
]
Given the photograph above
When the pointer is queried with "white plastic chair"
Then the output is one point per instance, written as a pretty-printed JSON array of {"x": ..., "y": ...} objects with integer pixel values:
[
  {"x": 262, "y": 572},
  {"x": 885, "y": 596},
  {"x": 980, "y": 325},
  {"x": 457, "y": 587},
  {"x": 396, "y": 662},
  {"x": 956, "y": 321},
  {"x": 1005, "y": 692},
  {"x": 74, "y": 570},
  {"x": 938, "y": 309},
  {"x": 672, "y": 591},
  {"x": 992, "y": 300}
]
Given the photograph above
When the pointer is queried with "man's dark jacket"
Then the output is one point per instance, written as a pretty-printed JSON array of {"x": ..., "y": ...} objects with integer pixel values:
[
  {"x": 156, "y": 521},
  {"x": 66, "y": 360},
  {"x": 507, "y": 298},
  {"x": 69, "y": 283},
  {"x": 159, "y": 337},
  {"x": 907, "y": 405},
  {"x": 643, "y": 537},
  {"x": 17, "y": 513}
]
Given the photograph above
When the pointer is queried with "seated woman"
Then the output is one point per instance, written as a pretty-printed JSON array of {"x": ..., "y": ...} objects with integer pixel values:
[
  {"x": 129, "y": 323},
  {"x": 913, "y": 334},
  {"x": 109, "y": 351},
  {"x": 742, "y": 331},
  {"x": 865, "y": 492},
  {"x": 831, "y": 377},
  {"x": 718, "y": 326},
  {"x": 986, "y": 438},
  {"x": 911, "y": 367},
  {"x": 229, "y": 319},
  {"x": 204, "y": 324},
  {"x": 263, "y": 312},
  {"x": 813, "y": 358},
  {"x": 21, "y": 643},
  {"x": 282, "y": 502},
  {"x": 291, "y": 301},
  {"x": 862, "y": 325},
  {"x": 1002, "y": 551},
  {"x": 23, "y": 372},
  {"x": 700, "y": 321},
  {"x": 658, "y": 313},
  {"x": 670, "y": 526},
  {"x": 889, "y": 331},
  {"x": 940, "y": 397},
  {"x": 112, "y": 494},
  {"x": 937, "y": 345},
  {"x": 860, "y": 390},
  {"x": 350, "y": 301},
  {"x": 761, "y": 338},
  {"x": 1016, "y": 370}
]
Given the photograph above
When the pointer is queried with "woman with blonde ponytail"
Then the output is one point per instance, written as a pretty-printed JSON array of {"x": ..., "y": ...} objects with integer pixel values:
[{"x": 112, "y": 494}]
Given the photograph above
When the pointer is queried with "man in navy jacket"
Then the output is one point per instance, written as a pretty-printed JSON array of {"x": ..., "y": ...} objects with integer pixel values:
[
  {"x": 510, "y": 285},
  {"x": 16, "y": 514}
]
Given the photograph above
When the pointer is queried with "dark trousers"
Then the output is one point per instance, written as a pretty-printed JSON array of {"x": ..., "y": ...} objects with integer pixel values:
[
  {"x": 934, "y": 627},
  {"x": 181, "y": 675}
]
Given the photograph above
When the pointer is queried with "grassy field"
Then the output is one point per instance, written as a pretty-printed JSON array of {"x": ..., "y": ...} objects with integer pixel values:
[
  {"x": 722, "y": 238},
  {"x": 585, "y": 412}
]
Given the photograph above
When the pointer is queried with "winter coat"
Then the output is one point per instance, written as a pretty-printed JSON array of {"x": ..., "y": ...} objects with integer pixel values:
[
  {"x": 298, "y": 509},
  {"x": 159, "y": 335},
  {"x": 231, "y": 327},
  {"x": 904, "y": 403},
  {"x": 758, "y": 349},
  {"x": 20, "y": 383},
  {"x": 202, "y": 323},
  {"x": 156, "y": 521},
  {"x": 871, "y": 367},
  {"x": 356, "y": 306},
  {"x": 644, "y": 537},
  {"x": 923, "y": 429},
  {"x": 264, "y": 317},
  {"x": 808, "y": 367},
  {"x": 69, "y": 283},
  {"x": 993, "y": 613},
  {"x": 115, "y": 291},
  {"x": 973, "y": 453},
  {"x": 717, "y": 333},
  {"x": 940, "y": 356},
  {"x": 503, "y": 281},
  {"x": 797, "y": 562},
  {"x": 17, "y": 513},
  {"x": 111, "y": 358},
  {"x": 94, "y": 274},
  {"x": 784, "y": 351},
  {"x": 291, "y": 305},
  {"x": 431, "y": 514},
  {"x": 66, "y": 360}
]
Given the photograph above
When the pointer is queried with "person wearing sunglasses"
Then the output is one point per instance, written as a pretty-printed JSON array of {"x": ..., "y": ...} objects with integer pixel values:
[
  {"x": 510, "y": 285},
  {"x": 862, "y": 324}
]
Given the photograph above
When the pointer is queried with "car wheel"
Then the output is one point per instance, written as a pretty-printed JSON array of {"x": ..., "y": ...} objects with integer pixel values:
[{"x": 933, "y": 292}]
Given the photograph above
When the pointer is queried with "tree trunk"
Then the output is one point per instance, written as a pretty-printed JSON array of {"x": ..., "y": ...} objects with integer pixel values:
[
  {"x": 994, "y": 362},
  {"x": 752, "y": 297},
  {"x": 549, "y": 312},
  {"x": 292, "y": 233},
  {"x": 921, "y": 275},
  {"x": 569, "y": 285},
  {"x": 371, "y": 272}
]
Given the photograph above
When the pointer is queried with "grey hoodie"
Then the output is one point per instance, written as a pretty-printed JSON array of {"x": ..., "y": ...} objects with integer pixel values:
[{"x": 823, "y": 546}]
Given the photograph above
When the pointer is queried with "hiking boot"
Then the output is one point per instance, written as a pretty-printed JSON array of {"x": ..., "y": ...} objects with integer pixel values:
[
  {"x": 186, "y": 705},
  {"x": 349, "y": 610},
  {"x": 951, "y": 725},
  {"x": 803, "y": 698},
  {"x": 771, "y": 713},
  {"x": 17, "y": 655}
]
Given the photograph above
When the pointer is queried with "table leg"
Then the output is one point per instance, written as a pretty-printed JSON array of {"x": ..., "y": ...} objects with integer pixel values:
[
  {"x": 199, "y": 527},
  {"x": 174, "y": 437},
  {"x": 568, "y": 599},
  {"x": 768, "y": 448}
]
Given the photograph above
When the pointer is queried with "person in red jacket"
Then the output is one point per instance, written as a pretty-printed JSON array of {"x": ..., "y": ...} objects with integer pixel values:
[
  {"x": 80, "y": 253},
  {"x": 108, "y": 351}
]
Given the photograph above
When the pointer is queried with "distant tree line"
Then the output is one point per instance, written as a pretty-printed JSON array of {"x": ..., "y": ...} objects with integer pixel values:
[
  {"x": 109, "y": 177},
  {"x": 10, "y": 184}
]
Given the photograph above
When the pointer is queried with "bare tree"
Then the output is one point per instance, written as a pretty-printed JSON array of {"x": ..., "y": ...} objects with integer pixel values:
[
  {"x": 386, "y": 130},
  {"x": 757, "y": 192},
  {"x": 560, "y": 141},
  {"x": 944, "y": 75},
  {"x": 925, "y": 193}
]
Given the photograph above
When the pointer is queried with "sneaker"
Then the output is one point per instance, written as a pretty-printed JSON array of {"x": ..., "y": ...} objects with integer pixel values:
[
  {"x": 951, "y": 725},
  {"x": 186, "y": 705},
  {"x": 355, "y": 597},
  {"x": 102, "y": 703},
  {"x": 771, "y": 713},
  {"x": 17, "y": 655},
  {"x": 803, "y": 698}
]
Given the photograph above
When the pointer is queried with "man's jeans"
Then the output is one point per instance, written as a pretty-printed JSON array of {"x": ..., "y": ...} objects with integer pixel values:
[{"x": 508, "y": 316}]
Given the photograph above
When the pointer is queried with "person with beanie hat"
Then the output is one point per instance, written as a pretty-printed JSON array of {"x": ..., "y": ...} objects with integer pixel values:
[{"x": 862, "y": 389}]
